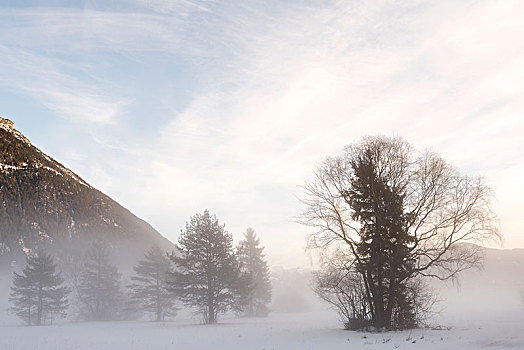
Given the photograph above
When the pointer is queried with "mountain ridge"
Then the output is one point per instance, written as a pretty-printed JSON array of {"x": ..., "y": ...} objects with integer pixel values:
[{"x": 43, "y": 203}]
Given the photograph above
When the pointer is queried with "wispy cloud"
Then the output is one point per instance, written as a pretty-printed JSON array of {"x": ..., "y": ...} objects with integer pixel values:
[
  {"x": 298, "y": 93},
  {"x": 180, "y": 7},
  {"x": 49, "y": 81},
  {"x": 274, "y": 88},
  {"x": 62, "y": 57}
]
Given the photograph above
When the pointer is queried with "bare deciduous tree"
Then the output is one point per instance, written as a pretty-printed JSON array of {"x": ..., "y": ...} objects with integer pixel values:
[{"x": 397, "y": 215}]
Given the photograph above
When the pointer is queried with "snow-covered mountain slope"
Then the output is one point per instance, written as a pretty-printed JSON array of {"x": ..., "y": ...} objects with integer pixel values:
[{"x": 44, "y": 203}]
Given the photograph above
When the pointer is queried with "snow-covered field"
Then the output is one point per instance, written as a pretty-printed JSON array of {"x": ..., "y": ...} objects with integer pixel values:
[
  {"x": 485, "y": 312},
  {"x": 279, "y": 331}
]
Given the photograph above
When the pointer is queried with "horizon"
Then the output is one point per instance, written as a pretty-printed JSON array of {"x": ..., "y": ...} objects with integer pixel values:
[{"x": 171, "y": 108}]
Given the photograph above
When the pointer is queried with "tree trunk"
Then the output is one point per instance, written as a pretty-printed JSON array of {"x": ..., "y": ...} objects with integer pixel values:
[
  {"x": 392, "y": 296},
  {"x": 39, "y": 307},
  {"x": 158, "y": 304},
  {"x": 158, "y": 309},
  {"x": 211, "y": 314}
]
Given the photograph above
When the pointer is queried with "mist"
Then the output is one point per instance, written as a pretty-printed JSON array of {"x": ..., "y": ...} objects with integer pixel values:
[{"x": 484, "y": 309}]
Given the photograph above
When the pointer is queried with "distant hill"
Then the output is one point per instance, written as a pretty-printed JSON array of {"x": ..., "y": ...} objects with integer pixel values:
[
  {"x": 495, "y": 292},
  {"x": 42, "y": 203},
  {"x": 502, "y": 268}
]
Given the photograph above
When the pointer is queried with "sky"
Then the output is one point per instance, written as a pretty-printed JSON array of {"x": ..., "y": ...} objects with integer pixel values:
[{"x": 175, "y": 106}]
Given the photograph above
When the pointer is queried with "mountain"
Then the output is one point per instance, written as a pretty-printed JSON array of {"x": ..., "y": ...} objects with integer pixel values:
[{"x": 45, "y": 204}]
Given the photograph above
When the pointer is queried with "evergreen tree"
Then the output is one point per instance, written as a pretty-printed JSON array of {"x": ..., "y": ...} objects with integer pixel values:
[
  {"x": 207, "y": 274},
  {"x": 150, "y": 291},
  {"x": 38, "y": 291},
  {"x": 99, "y": 288},
  {"x": 383, "y": 250},
  {"x": 253, "y": 264}
]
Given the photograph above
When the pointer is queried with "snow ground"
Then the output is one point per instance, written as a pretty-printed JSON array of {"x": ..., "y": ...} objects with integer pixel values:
[
  {"x": 279, "y": 331},
  {"x": 485, "y": 312}
]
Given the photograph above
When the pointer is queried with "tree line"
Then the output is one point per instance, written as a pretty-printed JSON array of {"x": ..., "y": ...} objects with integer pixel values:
[{"x": 205, "y": 273}]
